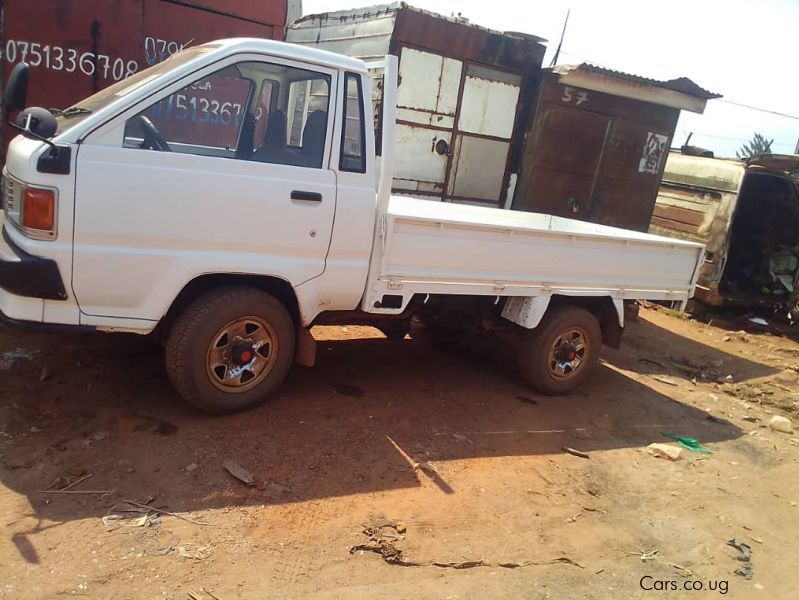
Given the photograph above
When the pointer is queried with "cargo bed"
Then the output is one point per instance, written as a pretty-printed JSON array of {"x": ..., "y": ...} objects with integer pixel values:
[{"x": 427, "y": 247}]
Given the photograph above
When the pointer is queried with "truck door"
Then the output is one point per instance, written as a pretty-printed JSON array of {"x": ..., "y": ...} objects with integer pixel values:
[{"x": 224, "y": 172}]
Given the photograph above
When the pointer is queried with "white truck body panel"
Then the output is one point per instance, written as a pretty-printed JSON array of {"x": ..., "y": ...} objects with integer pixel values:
[{"x": 444, "y": 248}]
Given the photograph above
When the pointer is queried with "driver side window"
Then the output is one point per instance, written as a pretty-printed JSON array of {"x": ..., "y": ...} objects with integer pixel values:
[{"x": 249, "y": 111}]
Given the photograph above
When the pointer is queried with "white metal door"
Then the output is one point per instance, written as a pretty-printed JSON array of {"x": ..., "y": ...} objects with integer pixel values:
[
  {"x": 482, "y": 136},
  {"x": 427, "y": 101}
]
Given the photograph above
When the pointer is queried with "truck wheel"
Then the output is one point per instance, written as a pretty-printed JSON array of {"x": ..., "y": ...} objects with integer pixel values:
[
  {"x": 230, "y": 349},
  {"x": 558, "y": 355}
]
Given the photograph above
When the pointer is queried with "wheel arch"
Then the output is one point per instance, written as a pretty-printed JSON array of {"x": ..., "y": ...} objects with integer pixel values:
[
  {"x": 608, "y": 311},
  {"x": 281, "y": 289}
]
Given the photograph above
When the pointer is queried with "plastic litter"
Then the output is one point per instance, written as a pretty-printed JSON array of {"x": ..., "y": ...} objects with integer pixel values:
[{"x": 688, "y": 443}]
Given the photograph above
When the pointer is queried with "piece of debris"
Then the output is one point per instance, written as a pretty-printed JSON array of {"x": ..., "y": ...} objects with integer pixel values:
[
  {"x": 191, "y": 468},
  {"x": 684, "y": 571},
  {"x": 688, "y": 443},
  {"x": 645, "y": 555},
  {"x": 427, "y": 468},
  {"x": 346, "y": 389},
  {"x": 664, "y": 451},
  {"x": 130, "y": 518},
  {"x": 750, "y": 418},
  {"x": 194, "y": 552},
  {"x": 726, "y": 338},
  {"x": 783, "y": 424},
  {"x": 239, "y": 472},
  {"x": 62, "y": 484},
  {"x": 461, "y": 438},
  {"x": 729, "y": 379},
  {"x": 745, "y": 556},
  {"x": 45, "y": 374},
  {"x": 161, "y": 511},
  {"x": 401, "y": 527},
  {"x": 759, "y": 321},
  {"x": 574, "y": 452},
  {"x": 573, "y": 518}
]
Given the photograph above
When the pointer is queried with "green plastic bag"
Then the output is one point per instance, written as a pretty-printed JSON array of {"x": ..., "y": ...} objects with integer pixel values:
[{"x": 688, "y": 443}]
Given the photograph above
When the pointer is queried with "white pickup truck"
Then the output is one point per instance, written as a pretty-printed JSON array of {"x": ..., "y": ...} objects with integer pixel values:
[{"x": 230, "y": 197}]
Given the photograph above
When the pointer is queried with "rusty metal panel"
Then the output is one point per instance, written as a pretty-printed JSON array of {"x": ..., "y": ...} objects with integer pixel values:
[
  {"x": 594, "y": 156},
  {"x": 264, "y": 13},
  {"x": 362, "y": 33},
  {"x": 467, "y": 41},
  {"x": 82, "y": 47}
]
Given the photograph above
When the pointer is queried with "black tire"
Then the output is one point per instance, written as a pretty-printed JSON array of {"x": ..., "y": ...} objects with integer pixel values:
[
  {"x": 395, "y": 329},
  {"x": 189, "y": 348},
  {"x": 537, "y": 366}
]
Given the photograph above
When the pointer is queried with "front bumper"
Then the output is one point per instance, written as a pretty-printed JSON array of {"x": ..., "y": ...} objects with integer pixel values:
[{"x": 31, "y": 276}]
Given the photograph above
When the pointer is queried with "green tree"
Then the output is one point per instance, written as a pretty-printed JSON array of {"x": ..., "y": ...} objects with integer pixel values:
[{"x": 757, "y": 145}]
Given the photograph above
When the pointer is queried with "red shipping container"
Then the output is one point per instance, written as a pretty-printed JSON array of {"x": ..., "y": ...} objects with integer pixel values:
[{"x": 77, "y": 47}]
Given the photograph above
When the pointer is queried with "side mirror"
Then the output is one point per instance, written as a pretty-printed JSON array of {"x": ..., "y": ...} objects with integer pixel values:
[
  {"x": 16, "y": 95},
  {"x": 39, "y": 122}
]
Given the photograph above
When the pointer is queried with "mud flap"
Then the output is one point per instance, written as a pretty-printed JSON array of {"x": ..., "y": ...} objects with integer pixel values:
[{"x": 305, "y": 354}]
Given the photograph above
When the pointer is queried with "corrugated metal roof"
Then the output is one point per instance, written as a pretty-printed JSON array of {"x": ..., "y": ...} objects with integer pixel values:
[
  {"x": 681, "y": 84},
  {"x": 379, "y": 10}
]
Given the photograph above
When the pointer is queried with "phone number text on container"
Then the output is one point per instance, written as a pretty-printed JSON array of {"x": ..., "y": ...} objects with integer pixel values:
[{"x": 70, "y": 60}]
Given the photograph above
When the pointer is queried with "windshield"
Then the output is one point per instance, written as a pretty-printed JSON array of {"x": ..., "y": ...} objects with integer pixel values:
[{"x": 75, "y": 114}]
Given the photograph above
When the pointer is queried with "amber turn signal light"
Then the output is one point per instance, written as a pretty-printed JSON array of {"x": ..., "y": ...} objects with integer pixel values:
[{"x": 38, "y": 209}]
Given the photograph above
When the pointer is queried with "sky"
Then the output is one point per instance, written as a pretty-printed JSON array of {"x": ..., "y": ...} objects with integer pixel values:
[{"x": 740, "y": 49}]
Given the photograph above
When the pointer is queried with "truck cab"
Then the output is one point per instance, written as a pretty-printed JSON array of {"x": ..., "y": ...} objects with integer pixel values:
[{"x": 250, "y": 146}]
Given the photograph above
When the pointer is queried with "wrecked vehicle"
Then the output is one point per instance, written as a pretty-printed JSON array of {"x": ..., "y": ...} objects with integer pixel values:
[
  {"x": 225, "y": 200},
  {"x": 747, "y": 215}
]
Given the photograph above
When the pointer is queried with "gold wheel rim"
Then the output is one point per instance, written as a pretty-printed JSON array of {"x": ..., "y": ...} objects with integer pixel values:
[
  {"x": 241, "y": 354},
  {"x": 568, "y": 353}
]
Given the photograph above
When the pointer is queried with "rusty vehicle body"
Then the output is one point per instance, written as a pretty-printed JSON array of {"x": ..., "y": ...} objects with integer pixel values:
[
  {"x": 597, "y": 145},
  {"x": 464, "y": 99},
  {"x": 747, "y": 215},
  {"x": 77, "y": 47}
]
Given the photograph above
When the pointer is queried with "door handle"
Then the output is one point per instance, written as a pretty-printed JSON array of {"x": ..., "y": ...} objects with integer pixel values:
[{"x": 306, "y": 196}]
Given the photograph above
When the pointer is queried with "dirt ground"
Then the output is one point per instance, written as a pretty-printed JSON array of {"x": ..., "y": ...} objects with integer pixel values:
[{"x": 442, "y": 471}]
